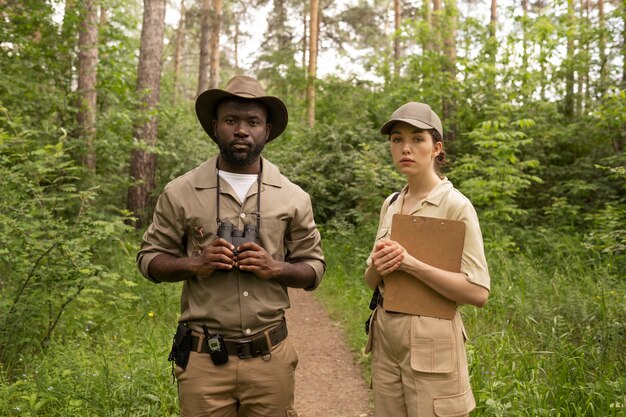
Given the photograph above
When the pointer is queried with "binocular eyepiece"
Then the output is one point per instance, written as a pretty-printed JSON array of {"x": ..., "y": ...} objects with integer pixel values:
[{"x": 237, "y": 237}]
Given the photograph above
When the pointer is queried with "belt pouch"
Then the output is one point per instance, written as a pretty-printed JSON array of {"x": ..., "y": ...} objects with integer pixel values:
[
  {"x": 181, "y": 346},
  {"x": 374, "y": 302}
]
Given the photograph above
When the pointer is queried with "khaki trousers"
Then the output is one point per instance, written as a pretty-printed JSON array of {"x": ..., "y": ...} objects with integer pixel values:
[
  {"x": 419, "y": 366},
  {"x": 252, "y": 387}
]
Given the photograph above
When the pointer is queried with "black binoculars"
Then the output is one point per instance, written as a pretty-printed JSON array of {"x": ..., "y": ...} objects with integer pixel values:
[{"x": 238, "y": 237}]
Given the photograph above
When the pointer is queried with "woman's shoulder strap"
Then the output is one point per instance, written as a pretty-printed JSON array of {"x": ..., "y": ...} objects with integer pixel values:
[{"x": 388, "y": 202}]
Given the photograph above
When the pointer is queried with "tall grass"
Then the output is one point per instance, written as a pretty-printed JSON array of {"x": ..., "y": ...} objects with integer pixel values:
[
  {"x": 550, "y": 342},
  {"x": 114, "y": 364}
]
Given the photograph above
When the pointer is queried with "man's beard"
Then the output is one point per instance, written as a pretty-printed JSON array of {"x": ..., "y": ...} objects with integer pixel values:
[{"x": 240, "y": 158}]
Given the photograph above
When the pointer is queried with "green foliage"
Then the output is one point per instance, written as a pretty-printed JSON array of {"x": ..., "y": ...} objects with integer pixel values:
[
  {"x": 286, "y": 80},
  {"x": 346, "y": 173},
  {"x": 343, "y": 291},
  {"x": 32, "y": 69},
  {"x": 553, "y": 326},
  {"x": 114, "y": 364},
  {"x": 493, "y": 176},
  {"x": 52, "y": 241},
  {"x": 182, "y": 143},
  {"x": 608, "y": 231},
  {"x": 550, "y": 341}
]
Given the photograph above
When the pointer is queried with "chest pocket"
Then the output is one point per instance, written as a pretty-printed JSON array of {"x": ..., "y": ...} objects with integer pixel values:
[
  {"x": 382, "y": 233},
  {"x": 272, "y": 237},
  {"x": 199, "y": 237},
  {"x": 385, "y": 226}
]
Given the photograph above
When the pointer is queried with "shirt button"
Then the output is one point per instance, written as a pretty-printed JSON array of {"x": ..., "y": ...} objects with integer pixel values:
[
  {"x": 245, "y": 293},
  {"x": 242, "y": 215},
  {"x": 248, "y": 331}
]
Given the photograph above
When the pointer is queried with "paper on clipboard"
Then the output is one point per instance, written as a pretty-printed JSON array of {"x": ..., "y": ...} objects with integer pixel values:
[{"x": 437, "y": 242}]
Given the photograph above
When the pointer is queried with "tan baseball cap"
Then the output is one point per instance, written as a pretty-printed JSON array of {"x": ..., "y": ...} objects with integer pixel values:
[
  {"x": 243, "y": 87},
  {"x": 416, "y": 114}
]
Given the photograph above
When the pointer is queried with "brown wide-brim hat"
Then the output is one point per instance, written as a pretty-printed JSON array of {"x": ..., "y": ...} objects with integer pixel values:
[
  {"x": 243, "y": 87},
  {"x": 417, "y": 114}
]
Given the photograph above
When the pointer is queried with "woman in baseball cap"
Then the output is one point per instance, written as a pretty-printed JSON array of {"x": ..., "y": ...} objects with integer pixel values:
[{"x": 419, "y": 363}]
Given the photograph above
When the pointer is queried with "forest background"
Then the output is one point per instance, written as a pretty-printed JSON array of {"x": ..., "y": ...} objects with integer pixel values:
[{"x": 96, "y": 116}]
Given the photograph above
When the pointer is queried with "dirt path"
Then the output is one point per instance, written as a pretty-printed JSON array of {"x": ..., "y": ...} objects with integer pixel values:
[{"x": 328, "y": 382}]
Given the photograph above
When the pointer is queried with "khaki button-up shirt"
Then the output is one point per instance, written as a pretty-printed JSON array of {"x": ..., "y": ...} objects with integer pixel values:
[
  {"x": 233, "y": 303},
  {"x": 445, "y": 202}
]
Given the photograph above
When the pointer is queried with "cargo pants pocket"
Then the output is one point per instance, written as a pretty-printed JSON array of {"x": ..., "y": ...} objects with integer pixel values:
[
  {"x": 455, "y": 405},
  {"x": 433, "y": 350},
  {"x": 433, "y": 356}
]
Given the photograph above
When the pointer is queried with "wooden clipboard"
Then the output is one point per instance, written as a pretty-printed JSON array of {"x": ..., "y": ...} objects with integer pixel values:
[{"x": 437, "y": 242}]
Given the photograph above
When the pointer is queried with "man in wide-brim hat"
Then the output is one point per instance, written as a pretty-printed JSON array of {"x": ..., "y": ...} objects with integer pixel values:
[
  {"x": 246, "y": 88},
  {"x": 237, "y": 233}
]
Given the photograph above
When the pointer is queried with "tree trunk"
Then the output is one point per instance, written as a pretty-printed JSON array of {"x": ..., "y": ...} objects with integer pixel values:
[
  {"x": 104, "y": 16},
  {"x": 542, "y": 61},
  {"x": 436, "y": 25},
  {"x": 582, "y": 61},
  {"x": 103, "y": 21},
  {"x": 568, "y": 103},
  {"x": 143, "y": 163},
  {"x": 524, "y": 35},
  {"x": 602, "y": 48},
  {"x": 524, "y": 67},
  {"x": 236, "y": 47},
  {"x": 179, "y": 49},
  {"x": 304, "y": 34},
  {"x": 68, "y": 39},
  {"x": 310, "y": 88},
  {"x": 620, "y": 139},
  {"x": 436, "y": 5},
  {"x": 449, "y": 105},
  {"x": 278, "y": 35},
  {"x": 205, "y": 57},
  {"x": 426, "y": 15},
  {"x": 492, "y": 46},
  {"x": 493, "y": 21},
  {"x": 624, "y": 45},
  {"x": 215, "y": 43},
  {"x": 87, "y": 74},
  {"x": 396, "y": 38}
]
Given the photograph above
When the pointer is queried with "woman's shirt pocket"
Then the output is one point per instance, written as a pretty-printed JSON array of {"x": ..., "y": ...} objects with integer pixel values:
[{"x": 383, "y": 233}]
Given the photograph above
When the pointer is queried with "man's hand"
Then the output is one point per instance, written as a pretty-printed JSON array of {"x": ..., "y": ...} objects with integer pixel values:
[
  {"x": 253, "y": 258},
  {"x": 217, "y": 255},
  {"x": 387, "y": 257}
]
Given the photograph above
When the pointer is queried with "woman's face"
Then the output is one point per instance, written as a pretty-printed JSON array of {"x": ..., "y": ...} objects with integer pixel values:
[{"x": 412, "y": 149}]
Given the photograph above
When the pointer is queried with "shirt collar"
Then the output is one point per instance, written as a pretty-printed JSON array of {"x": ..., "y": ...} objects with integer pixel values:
[
  {"x": 205, "y": 176},
  {"x": 435, "y": 195}
]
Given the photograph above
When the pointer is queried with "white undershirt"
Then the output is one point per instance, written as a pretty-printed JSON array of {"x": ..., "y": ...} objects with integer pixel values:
[{"x": 241, "y": 183}]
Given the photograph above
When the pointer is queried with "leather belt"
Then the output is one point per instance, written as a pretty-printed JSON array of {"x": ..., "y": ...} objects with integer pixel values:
[
  {"x": 380, "y": 303},
  {"x": 249, "y": 347}
]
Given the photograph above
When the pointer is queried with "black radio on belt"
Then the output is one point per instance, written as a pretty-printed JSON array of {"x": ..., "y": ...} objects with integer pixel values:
[{"x": 216, "y": 346}]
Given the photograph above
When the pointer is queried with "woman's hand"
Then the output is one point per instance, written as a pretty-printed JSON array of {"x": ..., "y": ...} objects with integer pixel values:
[{"x": 388, "y": 256}]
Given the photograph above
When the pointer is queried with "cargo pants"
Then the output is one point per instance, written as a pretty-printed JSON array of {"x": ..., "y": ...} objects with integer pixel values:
[
  {"x": 419, "y": 366},
  {"x": 262, "y": 386}
]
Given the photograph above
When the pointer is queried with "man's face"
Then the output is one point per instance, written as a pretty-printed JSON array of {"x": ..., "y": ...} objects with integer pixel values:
[{"x": 241, "y": 129}]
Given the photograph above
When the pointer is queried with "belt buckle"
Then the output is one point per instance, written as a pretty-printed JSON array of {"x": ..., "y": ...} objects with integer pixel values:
[{"x": 244, "y": 353}]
